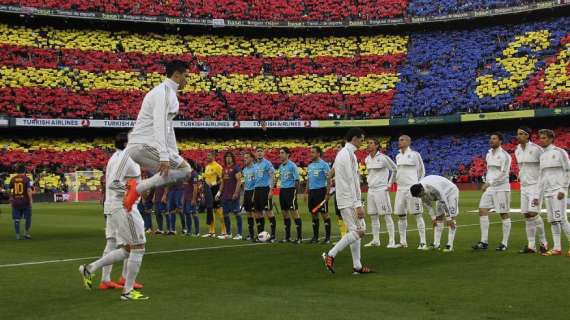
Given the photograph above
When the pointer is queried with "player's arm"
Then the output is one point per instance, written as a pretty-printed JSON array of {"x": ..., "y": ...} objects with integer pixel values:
[
  {"x": 161, "y": 128},
  {"x": 195, "y": 191},
  {"x": 566, "y": 167},
  {"x": 164, "y": 198},
  {"x": 272, "y": 180},
  {"x": 30, "y": 192},
  {"x": 421, "y": 167},
  {"x": 238, "y": 185},
  {"x": 392, "y": 168},
  {"x": 11, "y": 191},
  {"x": 328, "y": 181},
  {"x": 296, "y": 176}
]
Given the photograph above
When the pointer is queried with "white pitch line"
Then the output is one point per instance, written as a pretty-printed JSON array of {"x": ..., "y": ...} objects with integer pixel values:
[{"x": 33, "y": 263}]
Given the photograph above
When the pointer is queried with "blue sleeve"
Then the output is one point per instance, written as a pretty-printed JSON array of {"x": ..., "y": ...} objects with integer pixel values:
[
  {"x": 270, "y": 165},
  {"x": 296, "y": 172}
]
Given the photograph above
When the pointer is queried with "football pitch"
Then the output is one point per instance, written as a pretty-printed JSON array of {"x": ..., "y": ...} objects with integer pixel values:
[{"x": 189, "y": 278}]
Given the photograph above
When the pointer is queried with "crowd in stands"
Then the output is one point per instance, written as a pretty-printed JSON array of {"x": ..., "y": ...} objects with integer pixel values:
[
  {"x": 276, "y": 10},
  {"x": 54, "y": 73},
  {"x": 53, "y": 161}
]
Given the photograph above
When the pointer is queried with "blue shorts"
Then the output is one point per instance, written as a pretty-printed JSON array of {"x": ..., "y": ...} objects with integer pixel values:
[
  {"x": 175, "y": 200},
  {"x": 189, "y": 208},
  {"x": 231, "y": 206},
  {"x": 21, "y": 213}
]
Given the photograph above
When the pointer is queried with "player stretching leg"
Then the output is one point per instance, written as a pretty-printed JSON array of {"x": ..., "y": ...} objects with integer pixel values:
[
  {"x": 230, "y": 191},
  {"x": 318, "y": 194},
  {"x": 441, "y": 197},
  {"x": 249, "y": 186},
  {"x": 496, "y": 193},
  {"x": 152, "y": 142},
  {"x": 410, "y": 170},
  {"x": 553, "y": 186},
  {"x": 129, "y": 230},
  {"x": 528, "y": 158},
  {"x": 289, "y": 184},
  {"x": 349, "y": 202},
  {"x": 381, "y": 172},
  {"x": 21, "y": 201},
  {"x": 263, "y": 193}
]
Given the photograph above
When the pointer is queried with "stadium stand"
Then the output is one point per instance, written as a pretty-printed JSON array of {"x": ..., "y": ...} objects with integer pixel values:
[
  {"x": 276, "y": 10},
  {"x": 95, "y": 74}
]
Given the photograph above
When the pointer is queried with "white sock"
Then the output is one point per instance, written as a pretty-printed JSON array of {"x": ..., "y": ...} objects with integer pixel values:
[
  {"x": 451, "y": 237},
  {"x": 484, "y": 224},
  {"x": 124, "y": 272},
  {"x": 375, "y": 227},
  {"x": 556, "y": 230},
  {"x": 539, "y": 223},
  {"x": 344, "y": 242},
  {"x": 157, "y": 180},
  {"x": 355, "y": 251},
  {"x": 133, "y": 267},
  {"x": 106, "y": 270},
  {"x": 438, "y": 230},
  {"x": 506, "y": 231},
  {"x": 566, "y": 228},
  {"x": 402, "y": 229},
  {"x": 421, "y": 227},
  {"x": 108, "y": 259},
  {"x": 390, "y": 228},
  {"x": 530, "y": 227}
]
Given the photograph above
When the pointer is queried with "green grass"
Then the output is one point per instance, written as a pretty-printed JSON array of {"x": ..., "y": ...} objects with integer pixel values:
[{"x": 279, "y": 281}]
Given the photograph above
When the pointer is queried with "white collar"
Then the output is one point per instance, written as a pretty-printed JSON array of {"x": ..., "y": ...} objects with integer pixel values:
[
  {"x": 171, "y": 84},
  {"x": 350, "y": 147}
]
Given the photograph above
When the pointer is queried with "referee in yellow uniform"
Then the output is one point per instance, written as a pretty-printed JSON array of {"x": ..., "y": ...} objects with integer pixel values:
[{"x": 212, "y": 178}]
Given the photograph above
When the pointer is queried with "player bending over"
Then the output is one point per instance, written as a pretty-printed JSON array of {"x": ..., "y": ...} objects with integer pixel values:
[
  {"x": 528, "y": 158},
  {"x": 553, "y": 186},
  {"x": 381, "y": 172},
  {"x": 441, "y": 197},
  {"x": 349, "y": 200},
  {"x": 410, "y": 170},
  {"x": 318, "y": 190},
  {"x": 152, "y": 142},
  {"x": 496, "y": 193},
  {"x": 126, "y": 226},
  {"x": 289, "y": 183}
]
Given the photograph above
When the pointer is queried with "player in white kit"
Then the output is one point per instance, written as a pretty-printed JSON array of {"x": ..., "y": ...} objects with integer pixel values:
[
  {"x": 152, "y": 142},
  {"x": 496, "y": 193},
  {"x": 410, "y": 170},
  {"x": 441, "y": 197},
  {"x": 381, "y": 173},
  {"x": 553, "y": 187},
  {"x": 348, "y": 196},
  {"x": 528, "y": 158},
  {"x": 126, "y": 226}
]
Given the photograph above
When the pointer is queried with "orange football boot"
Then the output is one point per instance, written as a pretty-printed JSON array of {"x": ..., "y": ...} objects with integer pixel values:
[
  {"x": 136, "y": 286},
  {"x": 131, "y": 196}
]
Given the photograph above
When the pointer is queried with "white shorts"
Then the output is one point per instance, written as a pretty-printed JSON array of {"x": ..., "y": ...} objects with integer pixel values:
[
  {"x": 528, "y": 194},
  {"x": 351, "y": 220},
  {"x": 130, "y": 227},
  {"x": 556, "y": 209},
  {"x": 406, "y": 204},
  {"x": 379, "y": 202},
  {"x": 148, "y": 157},
  {"x": 110, "y": 227},
  {"x": 498, "y": 200}
]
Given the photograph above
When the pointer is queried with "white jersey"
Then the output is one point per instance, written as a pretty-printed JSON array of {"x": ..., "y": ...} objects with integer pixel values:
[
  {"x": 498, "y": 168},
  {"x": 437, "y": 188},
  {"x": 347, "y": 178},
  {"x": 528, "y": 160},
  {"x": 410, "y": 169},
  {"x": 113, "y": 195},
  {"x": 155, "y": 125},
  {"x": 381, "y": 171},
  {"x": 554, "y": 170}
]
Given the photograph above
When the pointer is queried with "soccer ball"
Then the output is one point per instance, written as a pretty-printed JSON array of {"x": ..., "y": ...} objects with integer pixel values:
[{"x": 263, "y": 236}]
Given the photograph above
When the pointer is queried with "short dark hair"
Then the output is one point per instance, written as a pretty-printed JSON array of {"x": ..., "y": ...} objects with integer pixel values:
[
  {"x": 21, "y": 169},
  {"x": 526, "y": 129},
  {"x": 286, "y": 150},
  {"x": 416, "y": 189},
  {"x": 175, "y": 66},
  {"x": 498, "y": 134},
  {"x": 231, "y": 155},
  {"x": 121, "y": 140},
  {"x": 317, "y": 150},
  {"x": 547, "y": 132},
  {"x": 354, "y": 132},
  {"x": 249, "y": 153}
]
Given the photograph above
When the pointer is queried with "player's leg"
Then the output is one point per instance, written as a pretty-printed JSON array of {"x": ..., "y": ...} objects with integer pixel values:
[
  {"x": 437, "y": 231},
  {"x": 270, "y": 215},
  {"x": 554, "y": 218},
  {"x": 248, "y": 207},
  {"x": 451, "y": 221},
  {"x": 564, "y": 224},
  {"x": 401, "y": 210},
  {"x": 502, "y": 200},
  {"x": 226, "y": 210},
  {"x": 158, "y": 211},
  {"x": 131, "y": 229},
  {"x": 209, "y": 199},
  {"x": 312, "y": 202},
  {"x": 110, "y": 234},
  {"x": 353, "y": 234},
  {"x": 485, "y": 204},
  {"x": 326, "y": 218},
  {"x": 285, "y": 202},
  {"x": 236, "y": 210},
  {"x": 259, "y": 202},
  {"x": 387, "y": 213},
  {"x": 28, "y": 225},
  {"x": 373, "y": 210},
  {"x": 416, "y": 208},
  {"x": 16, "y": 217},
  {"x": 187, "y": 212}
]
